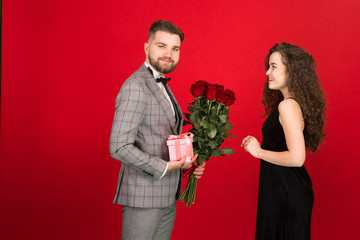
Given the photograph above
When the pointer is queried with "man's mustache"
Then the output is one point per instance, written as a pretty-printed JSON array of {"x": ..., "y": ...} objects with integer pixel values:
[{"x": 168, "y": 59}]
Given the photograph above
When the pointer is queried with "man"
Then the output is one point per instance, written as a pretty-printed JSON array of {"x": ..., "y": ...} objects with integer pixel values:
[{"x": 146, "y": 114}]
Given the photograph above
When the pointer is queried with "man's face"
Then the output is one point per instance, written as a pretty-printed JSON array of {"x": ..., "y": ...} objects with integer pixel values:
[{"x": 163, "y": 51}]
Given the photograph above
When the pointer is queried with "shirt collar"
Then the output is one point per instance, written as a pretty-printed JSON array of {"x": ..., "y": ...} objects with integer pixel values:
[{"x": 156, "y": 74}]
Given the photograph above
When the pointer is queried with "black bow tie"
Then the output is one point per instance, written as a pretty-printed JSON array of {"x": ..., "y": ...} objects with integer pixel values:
[{"x": 163, "y": 80}]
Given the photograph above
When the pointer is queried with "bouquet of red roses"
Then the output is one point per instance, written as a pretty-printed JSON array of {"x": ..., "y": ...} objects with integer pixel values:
[{"x": 209, "y": 115}]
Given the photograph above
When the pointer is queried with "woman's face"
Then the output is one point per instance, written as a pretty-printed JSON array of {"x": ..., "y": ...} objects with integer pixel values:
[{"x": 276, "y": 73}]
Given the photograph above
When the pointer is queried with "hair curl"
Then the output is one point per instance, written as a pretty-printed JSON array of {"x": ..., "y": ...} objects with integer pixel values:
[{"x": 304, "y": 86}]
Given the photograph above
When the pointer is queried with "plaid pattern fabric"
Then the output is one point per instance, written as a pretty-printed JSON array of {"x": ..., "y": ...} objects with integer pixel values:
[{"x": 142, "y": 123}]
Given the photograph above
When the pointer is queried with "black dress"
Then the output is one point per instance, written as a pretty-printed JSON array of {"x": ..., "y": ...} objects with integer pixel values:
[{"x": 286, "y": 197}]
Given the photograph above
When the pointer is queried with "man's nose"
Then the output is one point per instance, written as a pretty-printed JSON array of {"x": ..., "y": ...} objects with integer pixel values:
[{"x": 167, "y": 53}]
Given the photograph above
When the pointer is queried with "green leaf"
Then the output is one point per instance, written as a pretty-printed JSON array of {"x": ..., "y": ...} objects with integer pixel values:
[
  {"x": 221, "y": 129},
  {"x": 213, "y": 112},
  {"x": 195, "y": 120},
  {"x": 212, "y": 131},
  {"x": 202, "y": 158},
  {"x": 216, "y": 153},
  {"x": 212, "y": 144},
  {"x": 199, "y": 139},
  {"x": 190, "y": 108},
  {"x": 223, "y": 118},
  {"x": 228, "y": 126},
  {"x": 204, "y": 123},
  {"x": 227, "y": 150},
  {"x": 232, "y": 134}
]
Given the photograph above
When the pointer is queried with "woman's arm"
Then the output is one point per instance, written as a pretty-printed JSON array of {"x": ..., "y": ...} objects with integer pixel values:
[{"x": 292, "y": 122}]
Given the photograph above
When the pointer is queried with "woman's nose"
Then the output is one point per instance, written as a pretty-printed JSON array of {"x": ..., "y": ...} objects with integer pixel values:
[{"x": 268, "y": 72}]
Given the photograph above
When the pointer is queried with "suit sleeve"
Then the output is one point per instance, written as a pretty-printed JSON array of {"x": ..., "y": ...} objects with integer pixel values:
[{"x": 129, "y": 113}]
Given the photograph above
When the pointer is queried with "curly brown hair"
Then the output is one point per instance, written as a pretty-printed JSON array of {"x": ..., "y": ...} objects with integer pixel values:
[{"x": 304, "y": 86}]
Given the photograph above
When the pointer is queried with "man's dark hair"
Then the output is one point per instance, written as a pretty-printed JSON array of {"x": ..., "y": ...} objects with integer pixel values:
[{"x": 165, "y": 26}]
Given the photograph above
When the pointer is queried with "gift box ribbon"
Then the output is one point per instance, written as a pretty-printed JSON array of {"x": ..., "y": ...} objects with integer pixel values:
[{"x": 187, "y": 137}]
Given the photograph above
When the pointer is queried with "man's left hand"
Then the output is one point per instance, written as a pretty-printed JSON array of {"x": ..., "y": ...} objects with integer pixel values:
[{"x": 199, "y": 171}]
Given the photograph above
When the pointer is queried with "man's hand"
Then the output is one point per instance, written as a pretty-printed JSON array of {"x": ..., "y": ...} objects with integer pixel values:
[
  {"x": 199, "y": 170},
  {"x": 189, "y": 164},
  {"x": 173, "y": 165}
]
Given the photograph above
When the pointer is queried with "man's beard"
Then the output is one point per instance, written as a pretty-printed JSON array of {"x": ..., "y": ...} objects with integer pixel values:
[{"x": 157, "y": 67}]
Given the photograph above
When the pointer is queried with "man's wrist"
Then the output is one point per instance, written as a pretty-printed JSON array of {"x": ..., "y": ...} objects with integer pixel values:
[{"x": 167, "y": 166}]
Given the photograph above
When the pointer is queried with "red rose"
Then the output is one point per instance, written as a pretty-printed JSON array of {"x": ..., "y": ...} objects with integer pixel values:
[
  {"x": 219, "y": 88},
  {"x": 198, "y": 88},
  {"x": 221, "y": 97},
  {"x": 211, "y": 91},
  {"x": 230, "y": 101},
  {"x": 226, "y": 97}
]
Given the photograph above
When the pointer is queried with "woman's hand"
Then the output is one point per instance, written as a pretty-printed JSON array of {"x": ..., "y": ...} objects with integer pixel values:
[{"x": 252, "y": 146}]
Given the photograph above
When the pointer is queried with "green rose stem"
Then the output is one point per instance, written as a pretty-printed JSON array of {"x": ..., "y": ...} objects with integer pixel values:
[
  {"x": 209, "y": 105},
  {"x": 189, "y": 200},
  {"x": 217, "y": 112},
  {"x": 198, "y": 100},
  {"x": 190, "y": 191}
]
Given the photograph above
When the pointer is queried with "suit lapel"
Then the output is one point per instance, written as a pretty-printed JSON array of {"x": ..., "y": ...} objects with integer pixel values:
[
  {"x": 177, "y": 109},
  {"x": 160, "y": 97}
]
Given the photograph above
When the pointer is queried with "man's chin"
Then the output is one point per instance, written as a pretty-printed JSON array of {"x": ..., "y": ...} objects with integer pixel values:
[
  {"x": 161, "y": 68},
  {"x": 166, "y": 71}
]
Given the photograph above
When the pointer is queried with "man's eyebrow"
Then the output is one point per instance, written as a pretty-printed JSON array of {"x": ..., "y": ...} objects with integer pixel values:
[
  {"x": 160, "y": 43},
  {"x": 165, "y": 44},
  {"x": 273, "y": 64}
]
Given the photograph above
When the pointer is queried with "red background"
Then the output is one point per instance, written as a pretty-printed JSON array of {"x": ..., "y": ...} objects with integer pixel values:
[{"x": 63, "y": 63}]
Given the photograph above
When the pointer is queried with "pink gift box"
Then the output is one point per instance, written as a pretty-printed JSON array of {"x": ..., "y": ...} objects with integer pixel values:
[{"x": 180, "y": 146}]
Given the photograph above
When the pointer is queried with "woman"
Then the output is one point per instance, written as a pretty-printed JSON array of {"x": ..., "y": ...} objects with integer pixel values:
[{"x": 295, "y": 106}]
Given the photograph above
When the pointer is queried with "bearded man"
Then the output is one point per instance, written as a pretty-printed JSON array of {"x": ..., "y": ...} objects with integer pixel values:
[{"x": 146, "y": 113}]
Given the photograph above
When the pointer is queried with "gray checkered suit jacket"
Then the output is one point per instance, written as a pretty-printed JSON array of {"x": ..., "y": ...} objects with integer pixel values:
[{"x": 142, "y": 123}]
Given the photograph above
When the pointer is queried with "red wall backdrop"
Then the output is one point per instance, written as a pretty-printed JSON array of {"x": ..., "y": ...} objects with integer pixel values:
[{"x": 63, "y": 63}]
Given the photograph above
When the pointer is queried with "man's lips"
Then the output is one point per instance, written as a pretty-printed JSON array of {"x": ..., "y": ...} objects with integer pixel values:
[{"x": 166, "y": 60}]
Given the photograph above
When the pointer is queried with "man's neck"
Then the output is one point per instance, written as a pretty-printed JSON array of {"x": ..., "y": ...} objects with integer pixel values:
[{"x": 156, "y": 74}]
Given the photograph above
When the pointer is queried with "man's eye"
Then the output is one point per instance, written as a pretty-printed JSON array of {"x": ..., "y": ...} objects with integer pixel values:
[{"x": 176, "y": 49}]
